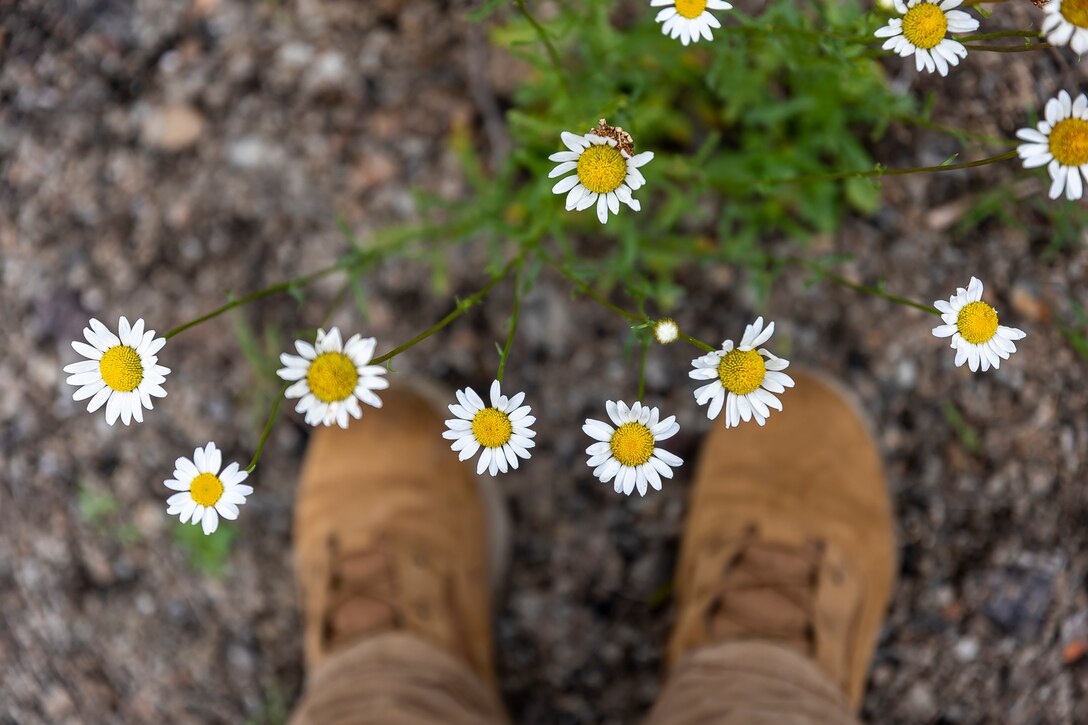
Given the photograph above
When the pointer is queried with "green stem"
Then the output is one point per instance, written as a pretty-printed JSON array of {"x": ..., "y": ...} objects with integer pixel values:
[
  {"x": 267, "y": 429},
  {"x": 949, "y": 130},
  {"x": 875, "y": 291},
  {"x": 260, "y": 294},
  {"x": 591, "y": 293},
  {"x": 1008, "y": 48},
  {"x": 895, "y": 172},
  {"x": 513, "y": 325},
  {"x": 462, "y": 307},
  {"x": 1002, "y": 34},
  {"x": 337, "y": 300},
  {"x": 543, "y": 34},
  {"x": 642, "y": 370},
  {"x": 697, "y": 343}
]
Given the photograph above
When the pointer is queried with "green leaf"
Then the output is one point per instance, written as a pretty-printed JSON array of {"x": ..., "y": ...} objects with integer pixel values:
[
  {"x": 484, "y": 11},
  {"x": 863, "y": 194},
  {"x": 207, "y": 554},
  {"x": 964, "y": 431}
]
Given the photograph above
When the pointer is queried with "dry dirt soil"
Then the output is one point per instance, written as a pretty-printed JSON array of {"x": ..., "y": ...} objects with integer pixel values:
[{"x": 156, "y": 155}]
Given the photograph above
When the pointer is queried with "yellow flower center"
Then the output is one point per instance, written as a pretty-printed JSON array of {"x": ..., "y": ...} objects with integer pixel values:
[
  {"x": 924, "y": 25},
  {"x": 602, "y": 168},
  {"x": 977, "y": 322},
  {"x": 690, "y": 8},
  {"x": 632, "y": 444},
  {"x": 1069, "y": 140},
  {"x": 742, "y": 372},
  {"x": 206, "y": 489},
  {"x": 1076, "y": 12},
  {"x": 491, "y": 428},
  {"x": 332, "y": 377},
  {"x": 121, "y": 368}
]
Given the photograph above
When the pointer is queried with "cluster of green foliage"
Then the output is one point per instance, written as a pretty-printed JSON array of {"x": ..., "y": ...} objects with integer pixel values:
[
  {"x": 736, "y": 126},
  {"x": 761, "y": 135},
  {"x": 208, "y": 554},
  {"x": 274, "y": 709},
  {"x": 102, "y": 511}
]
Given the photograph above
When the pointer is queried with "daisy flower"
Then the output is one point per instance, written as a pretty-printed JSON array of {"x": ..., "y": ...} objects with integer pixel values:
[
  {"x": 331, "y": 377},
  {"x": 628, "y": 453},
  {"x": 688, "y": 19},
  {"x": 1066, "y": 23},
  {"x": 205, "y": 493},
  {"x": 1060, "y": 142},
  {"x": 922, "y": 31},
  {"x": 972, "y": 324},
  {"x": 666, "y": 330},
  {"x": 743, "y": 380},
  {"x": 120, "y": 372},
  {"x": 501, "y": 430},
  {"x": 606, "y": 172}
]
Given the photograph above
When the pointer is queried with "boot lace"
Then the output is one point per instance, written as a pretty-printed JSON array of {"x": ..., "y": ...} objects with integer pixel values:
[{"x": 767, "y": 590}]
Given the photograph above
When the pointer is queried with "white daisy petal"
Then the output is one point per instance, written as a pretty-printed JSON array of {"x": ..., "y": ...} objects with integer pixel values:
[
  {"x": 475, "y": 400},
  {"x": 469, "y": 407},
  {"x": 210, "y": 520},
  {"x": 588, "y": 200},
  {"x": 90, "y": 390},
  {"x": 759, "y": 408},
  {"x": 575, "y": 143},
  {"x": 574, "y": 197},
  {"x": 83, "y": 366},
  {"x": 598, "y": 458},
  {"x": 562, "y": 169},
  {"x": 470, "y": 449},
  {"x": 200, "y": 461},
  {"x": 768, "y": 399},
  {"x": 597, "y": 430},
  {"x": 232, "y": 475},
  {"x": 185, "y": 510},
  {"x": 1073, "y": 184},
  {"x": 715, "y": 407},
  {"x": 602, "y": 208},
  {"x": 652, "y": 476},
  {"x": 107, "y": 338},
  {"x": 563, "y": 156},
  {"x": 609, "y": 470},
  {"x": 565, "y": 184},
  {"x": 460, "y": 439}
]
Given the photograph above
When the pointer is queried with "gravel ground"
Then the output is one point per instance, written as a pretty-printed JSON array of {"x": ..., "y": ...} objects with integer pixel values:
[{"x": 154, "y": 156}]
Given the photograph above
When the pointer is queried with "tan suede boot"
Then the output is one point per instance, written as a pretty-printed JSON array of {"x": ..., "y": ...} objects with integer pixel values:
[
  {"x": 393, "y": 533},
  {"x": 789, "y": 537}
]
